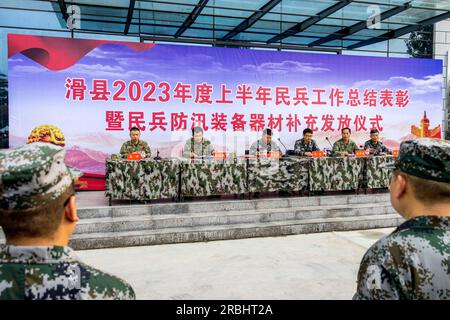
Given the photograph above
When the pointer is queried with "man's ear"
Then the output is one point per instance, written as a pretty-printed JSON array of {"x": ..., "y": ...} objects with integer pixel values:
[
  {"x": 70, "y": 211},
  {"x": 400, "y": 186}
]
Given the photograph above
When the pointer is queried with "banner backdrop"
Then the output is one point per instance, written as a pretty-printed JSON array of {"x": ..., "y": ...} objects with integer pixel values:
[{"x": 94, "y": 91}]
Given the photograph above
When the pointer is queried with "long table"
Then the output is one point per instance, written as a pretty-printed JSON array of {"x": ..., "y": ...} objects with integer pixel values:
[{"x": 177, "y": 178}]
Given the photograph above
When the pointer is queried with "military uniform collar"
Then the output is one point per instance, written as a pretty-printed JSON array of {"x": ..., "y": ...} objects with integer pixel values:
[
  {"x": 36, "y": 255},
  {"x": 195, "y": 142},
  {"x": 261, "y": 141},
  {"x": 342, "y": 140},
  {"x": 134, "y": 144},
  {"x": 426, "y": 222}
]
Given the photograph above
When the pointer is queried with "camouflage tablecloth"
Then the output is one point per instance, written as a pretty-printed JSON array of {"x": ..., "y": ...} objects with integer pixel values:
[
  {"x": 142, "y": 180},
  {"x": 332, "y": 174},
  {"x": 269, "y": 175},
  {"x": 213, "y": 177},
  {"x": 235, "y": 176},
  {"x": 150, "y": 179},
  {"x": 375, "y": 176}
]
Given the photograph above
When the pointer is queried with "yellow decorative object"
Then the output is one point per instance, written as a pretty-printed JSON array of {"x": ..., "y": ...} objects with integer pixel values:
[{"x": 47, "y": 133}]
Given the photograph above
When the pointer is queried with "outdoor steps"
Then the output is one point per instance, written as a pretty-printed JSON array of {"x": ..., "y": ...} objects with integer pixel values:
[
  {"x": 227, "y": 232},
  {"x": 231, "y": 205},
  {"x": 120, "y": 226}
]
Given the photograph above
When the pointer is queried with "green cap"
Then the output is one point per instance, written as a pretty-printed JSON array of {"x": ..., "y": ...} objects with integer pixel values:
[
  {"x": 33, "y": 175},
  {"x": 425, "y": 158}
]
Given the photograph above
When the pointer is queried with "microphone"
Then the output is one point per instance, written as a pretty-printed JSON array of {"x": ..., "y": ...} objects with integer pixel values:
[
  {"x": 329, "y": 153},
  {"x": 326, "y": 138},
  {"x": 282, "y": 144},
  {"x": 157, "y": 155}
]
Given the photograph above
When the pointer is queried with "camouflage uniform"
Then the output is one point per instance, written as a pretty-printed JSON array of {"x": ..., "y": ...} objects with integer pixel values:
[
  {"x": 340, "y": 146},
  {"x": 263, "y": 147},
  {"x": 413, "y": 261},
  {"x": 301, "y": 147},
  {"x": 203, "y": 149},
  {"x": 30, "y": 177},
  {"x": 378, "y": 147},
  {"x": 38, "y": 273},
  {"x": 130, "y": 147}
]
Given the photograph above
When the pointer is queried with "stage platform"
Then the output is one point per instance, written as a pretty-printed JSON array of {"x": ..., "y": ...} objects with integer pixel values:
[{"x": 136, "y": 224}]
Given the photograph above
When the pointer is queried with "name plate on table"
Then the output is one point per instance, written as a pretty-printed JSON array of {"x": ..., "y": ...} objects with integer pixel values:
[
  {"x": 220, "y": 155},
  {"x": 395, "y": 152},
  {"x": 360, "y": 153},
  {"x": 274, "y": 154},
  {"x": 134, "y": 156},
  {"x": 318, "y": 154}
]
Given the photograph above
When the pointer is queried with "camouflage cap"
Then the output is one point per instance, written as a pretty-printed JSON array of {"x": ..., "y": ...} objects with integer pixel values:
[
  {"x": 425, "y": 158},
  {"x": 33, "y": 175}
]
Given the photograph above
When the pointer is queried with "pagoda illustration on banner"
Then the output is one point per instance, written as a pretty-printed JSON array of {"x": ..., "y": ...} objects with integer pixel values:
[{"x": 424, "y": 130}]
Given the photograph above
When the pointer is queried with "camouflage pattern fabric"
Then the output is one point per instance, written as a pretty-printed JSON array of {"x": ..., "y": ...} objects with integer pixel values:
[
  {"x": 378, "y": 147},
  {"x": 410, "y": 263},
  {"x": 33, "y": 175},
  {"x": 142, "y": 180},
  {"x": 130, "y": 147},
  {"x": 150, "y": 179},
  {"x": 330, "y": 174},
  {"x": 301, "y": 147},
  {"x": 203, "y": 149},
  {"x": 213, "y": 177},
  {"x": 269, "y": 174},
  {"x": 340, "y": 146},
  {"x": 42, "y": 273},
  {"x": 377, "y": 177},
  {"x": 264, "y": 148},
  {"x": 426, "y": 158},
  {"x": 201, "y": 177},
  {"x": 234, "y": 180}
]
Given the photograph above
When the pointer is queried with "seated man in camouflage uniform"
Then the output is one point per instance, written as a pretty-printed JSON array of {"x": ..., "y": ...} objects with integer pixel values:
[
  {"x": 135, "y": 145},
  {"x": 375, "y": 146},
  {"x": 413, "y": 261},
  {"x": 38, "y": 214},
  {"x": 344, "y": 146},
  {"x": 264, "y": 145},
  {"x": 197, "y": 146},
  {"x": 306, "y": 145}
]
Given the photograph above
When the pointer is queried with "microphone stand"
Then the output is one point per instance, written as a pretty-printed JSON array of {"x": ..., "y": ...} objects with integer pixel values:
[
  {"x": 157, "y": 155},
  {"x": 283, "y": 145},
  {"x": 257, "y": 148},
  {"x": 331, "y": 151}
]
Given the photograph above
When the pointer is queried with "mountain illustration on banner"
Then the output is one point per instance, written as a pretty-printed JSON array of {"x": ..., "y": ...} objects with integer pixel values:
[{"x": 424, "y": 130}]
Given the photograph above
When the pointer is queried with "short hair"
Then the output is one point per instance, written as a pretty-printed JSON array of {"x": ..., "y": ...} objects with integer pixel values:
[
  {"x": 37, "y": 222},
  {"x": 267, "y": 132},
  {"x": 349, "y": 130},
  {"x": 374, "y": 131},
  {"x": 427, "y": 191},
  {"x": 135, "y": 129},
  {"x": 307, "y": 130},
  {"x": 196, "y": 130}
]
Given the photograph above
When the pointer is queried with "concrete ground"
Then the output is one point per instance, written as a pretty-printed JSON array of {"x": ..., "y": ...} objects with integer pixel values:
[{"x": 308, "y": 266}]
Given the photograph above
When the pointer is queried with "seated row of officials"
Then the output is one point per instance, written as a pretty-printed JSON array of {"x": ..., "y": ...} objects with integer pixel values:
[{"x": 198, "y": 146}]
